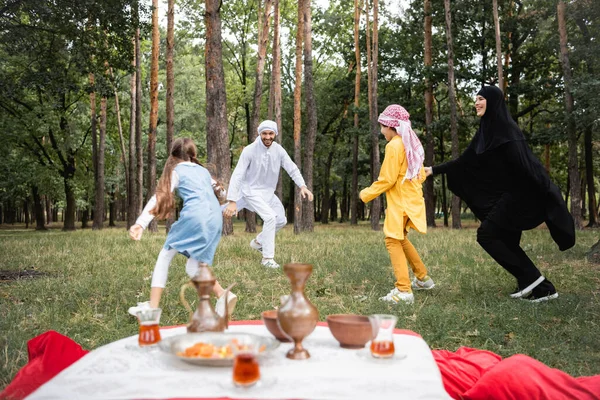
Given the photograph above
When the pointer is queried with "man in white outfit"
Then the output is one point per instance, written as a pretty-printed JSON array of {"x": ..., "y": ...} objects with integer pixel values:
[{"x": 253, "y": 185}]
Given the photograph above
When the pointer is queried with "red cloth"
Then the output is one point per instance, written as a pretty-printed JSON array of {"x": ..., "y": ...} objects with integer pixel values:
[
  {"x": 473, "y": 374},
  {"x": 49, "y": 353}
]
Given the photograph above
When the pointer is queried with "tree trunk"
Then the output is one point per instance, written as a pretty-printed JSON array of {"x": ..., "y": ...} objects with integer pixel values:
[
  {"x": 99, "y": 183},
  {"x": 308, "y": 208},
  {"x": 120, "y": 127},
  {"x": 498, "y": 44},
  {"x": 49, "y": 211},
  {"x": 69, "y": 210},
  {"x": 354, "y": 191},
  {"x": 170, "y": 86},
  {"x": 151, "y": 183},
  {"x": 132, "y": 186},
  {"x": 430, "y": 144},
  {"x": 217, "y": 140},
  {"x": 38, "y": 209},
  {"x": 261, "y": 56},
  {"x": 275, "y": 99},
  {"x": 372, "y": 59},
  {"x": 139, "y": 151},
  {"x": 571, "y": 129},
  {"x": 112, "y": 207},
  {"x": 453, "y": 114},
  {"x": 298, "y": 115}
]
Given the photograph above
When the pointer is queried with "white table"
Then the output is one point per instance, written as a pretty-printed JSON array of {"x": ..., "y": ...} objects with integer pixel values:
[{"x": 115, "y": 371}]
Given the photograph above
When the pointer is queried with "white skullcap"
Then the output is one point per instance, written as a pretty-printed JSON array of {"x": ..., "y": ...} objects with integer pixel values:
[{"x": 268, "y": 125}]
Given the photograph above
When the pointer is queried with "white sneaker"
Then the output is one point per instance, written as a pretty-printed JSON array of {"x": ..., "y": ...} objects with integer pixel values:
[
  {"x": 231, "y": 302},
  {"x": 270, "y": 263},
  {"x": 395, "y": 296},
  {"x": 255, "y": 245},
  {"x": 140, "y": 307},
  {"x": 427, "y": 284}
]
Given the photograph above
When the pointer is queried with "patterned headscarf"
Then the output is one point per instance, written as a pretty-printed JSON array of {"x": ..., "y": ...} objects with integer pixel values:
[{"x": 397, "y": 117}]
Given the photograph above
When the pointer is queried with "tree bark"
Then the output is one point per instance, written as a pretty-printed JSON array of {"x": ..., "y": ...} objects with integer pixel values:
[
  {"x": 139, "y": 152},
  {"x": 170, "y": 85},
  {"x": 131, "y": 188},
  {"x": 308, "y": 208},
  {"x": 372, "y": 50},
  {"x": 573, "y": 164},
  {"x": 430, "y": 143},
  {"x": 498, "y": 44},
  {"x": 38, "y": 208},
  {"x": 456, "y": 224},
  {"x": 151, "y": 183},
  {"x": 298, "y": 115},
  {"x": 263, "y": 37},
  {"x": 120, "y": 127},
  {"x": 275, "y": 99},
  {"x": 99, "y": 183},
  {"x": 217, "y": 139},
  {"x": 354, "y": 191}
]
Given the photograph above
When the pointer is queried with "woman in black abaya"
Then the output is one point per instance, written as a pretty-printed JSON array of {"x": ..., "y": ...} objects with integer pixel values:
[{"x": 508, "y": 189}]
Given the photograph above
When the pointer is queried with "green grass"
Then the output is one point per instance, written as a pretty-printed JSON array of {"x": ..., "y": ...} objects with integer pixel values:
[{"x": 93, "y": 277}]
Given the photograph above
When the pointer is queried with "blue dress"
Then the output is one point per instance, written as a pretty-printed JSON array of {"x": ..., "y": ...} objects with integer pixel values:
[{"x": 197, "y": 232}]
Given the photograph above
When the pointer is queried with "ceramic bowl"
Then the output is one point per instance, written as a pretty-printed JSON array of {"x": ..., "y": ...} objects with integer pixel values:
[
  {"x": 351, "y": 330},
  {"x": 270, "y": 319}
]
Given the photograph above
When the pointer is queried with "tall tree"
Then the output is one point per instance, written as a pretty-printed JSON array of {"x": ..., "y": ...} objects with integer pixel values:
[
  {"x": 170, "y": 84},
  {"x": 275, "y": 99},
  {"x": 308, "y": 209},
  {"x": 429, "y": 145},
  {"x": 498, "y": 44},
  {"x": 132, "y": 201},
  {"x": 372, "y": 61},
  {"x": 98, "y": 222},
  {"x": 217, "y": 139},
  {"x": 298, "y": 115},
  {"x": 357, "y": 60},
  {"x": 574, "y": 178},
  {"x": 263, "y": 37},
  {"x": 139, "y": 151},
  {"x": 453, "y": 113},
  {"x": 151, "y": 183}
]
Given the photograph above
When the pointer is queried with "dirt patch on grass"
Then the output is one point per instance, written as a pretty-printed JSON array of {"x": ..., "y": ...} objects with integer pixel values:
[{"x": 7, "y": 275}]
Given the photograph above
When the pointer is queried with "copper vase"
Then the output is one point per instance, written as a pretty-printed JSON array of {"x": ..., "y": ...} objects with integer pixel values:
[
  {"x": 298, "y": 317},
  {"x": 204, "y": 319}
]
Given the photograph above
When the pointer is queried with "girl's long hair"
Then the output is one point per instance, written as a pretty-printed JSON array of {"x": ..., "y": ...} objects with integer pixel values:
[{"x": 182, "y": 149}]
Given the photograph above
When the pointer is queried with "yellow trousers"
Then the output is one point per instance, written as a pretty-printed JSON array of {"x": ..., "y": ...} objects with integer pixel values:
[{"x": 402, "y": 253}]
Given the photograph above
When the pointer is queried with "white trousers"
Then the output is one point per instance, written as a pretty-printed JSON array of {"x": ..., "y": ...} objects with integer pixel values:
[
  {"x": 273, "y": 215},
  {"x": 161, "y": 269}
]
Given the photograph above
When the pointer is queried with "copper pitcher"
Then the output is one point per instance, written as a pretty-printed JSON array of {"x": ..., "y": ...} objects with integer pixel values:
[
  {"x": 205, "y": 318},
  {"x": 297, "y": 317}
]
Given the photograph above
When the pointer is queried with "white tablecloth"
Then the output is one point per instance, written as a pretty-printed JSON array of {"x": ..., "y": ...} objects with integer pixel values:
[{"x": 116, "y": 371}]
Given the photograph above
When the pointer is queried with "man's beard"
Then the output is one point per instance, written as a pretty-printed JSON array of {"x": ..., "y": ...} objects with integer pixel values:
[{"x": 267, "y": 142}]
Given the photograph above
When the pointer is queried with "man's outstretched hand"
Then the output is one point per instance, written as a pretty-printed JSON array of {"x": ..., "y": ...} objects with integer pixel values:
[{"x": 305, "y": 193}]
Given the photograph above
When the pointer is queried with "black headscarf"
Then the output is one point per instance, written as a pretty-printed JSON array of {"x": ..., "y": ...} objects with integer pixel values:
[{"x": 496, "y": 127}]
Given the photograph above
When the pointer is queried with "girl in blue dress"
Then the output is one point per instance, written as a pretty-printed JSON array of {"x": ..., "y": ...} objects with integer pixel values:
[{"x": 196, "y": 233}]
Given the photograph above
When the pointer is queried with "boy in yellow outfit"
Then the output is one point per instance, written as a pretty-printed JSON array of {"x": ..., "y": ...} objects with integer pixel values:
[{"x": 401, "y": 178}]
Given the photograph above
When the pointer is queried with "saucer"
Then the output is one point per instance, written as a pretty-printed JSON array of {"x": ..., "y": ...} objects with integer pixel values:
[
  {"x": 263, "y": 383},
  {"x": 366, "y": 354}
]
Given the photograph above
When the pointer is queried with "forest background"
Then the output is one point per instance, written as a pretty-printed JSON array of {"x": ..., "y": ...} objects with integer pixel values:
[{"x": 91, "y": 93}]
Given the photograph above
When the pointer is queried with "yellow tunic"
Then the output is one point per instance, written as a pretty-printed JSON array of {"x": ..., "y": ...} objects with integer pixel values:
[{"x": 403, "y": 198}]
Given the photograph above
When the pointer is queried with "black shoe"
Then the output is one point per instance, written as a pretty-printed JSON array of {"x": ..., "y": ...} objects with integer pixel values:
[
  {"x": 537, "y": 296},
  {"x": 520, "y": 293}
]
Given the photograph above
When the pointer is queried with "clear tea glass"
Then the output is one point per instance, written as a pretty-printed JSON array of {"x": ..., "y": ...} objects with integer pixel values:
[
  {"x": 149, "y": 326},
  {"x": 246, "y": 370},
  {"x": 382, "y": 345}
]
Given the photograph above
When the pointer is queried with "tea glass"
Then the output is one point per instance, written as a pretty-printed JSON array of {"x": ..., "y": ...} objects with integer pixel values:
[
  {"x": 149, "y": 326},
  {"x": 246, "y": 370},
  {"x": 382, "y": 345}
]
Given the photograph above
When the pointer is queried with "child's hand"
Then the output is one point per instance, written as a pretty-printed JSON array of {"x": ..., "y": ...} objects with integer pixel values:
[
  {"x": 135, "y": 232},
  {"x": 428, "y": 171}
]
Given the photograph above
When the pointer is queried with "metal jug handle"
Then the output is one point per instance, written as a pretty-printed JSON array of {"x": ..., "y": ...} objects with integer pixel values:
[{"x": 182, "y": 297}]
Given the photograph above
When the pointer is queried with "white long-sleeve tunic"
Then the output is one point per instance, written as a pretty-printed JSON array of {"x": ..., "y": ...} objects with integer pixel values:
[{"x": 257, "y": 172}]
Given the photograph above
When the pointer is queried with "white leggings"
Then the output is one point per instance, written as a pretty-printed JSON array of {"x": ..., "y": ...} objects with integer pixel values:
[{"x": 161, "y": 269}]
